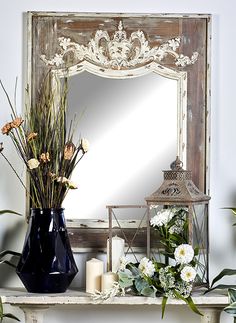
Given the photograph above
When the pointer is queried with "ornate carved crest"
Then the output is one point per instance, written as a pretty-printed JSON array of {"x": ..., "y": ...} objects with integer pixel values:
[{"x": 118, "y": 51}]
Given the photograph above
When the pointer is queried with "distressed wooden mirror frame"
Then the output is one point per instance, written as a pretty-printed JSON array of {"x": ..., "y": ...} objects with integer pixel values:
[{"x": 172, "y": 45}]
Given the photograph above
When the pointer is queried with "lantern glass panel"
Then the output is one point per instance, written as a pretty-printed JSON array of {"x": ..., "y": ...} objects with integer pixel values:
[
  {"x": 200, "y": 241},
  {"x": 169, "y": 223},
  {"x": 130, "y": 223},
  {"x": 188, "y": 224}
]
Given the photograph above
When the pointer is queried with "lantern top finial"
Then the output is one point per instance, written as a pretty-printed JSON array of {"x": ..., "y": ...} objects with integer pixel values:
[{"x": 177, "y": 164}]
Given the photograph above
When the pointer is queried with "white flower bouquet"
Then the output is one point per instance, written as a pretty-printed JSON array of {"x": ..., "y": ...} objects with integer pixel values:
[{"x": 175, "y": 277}]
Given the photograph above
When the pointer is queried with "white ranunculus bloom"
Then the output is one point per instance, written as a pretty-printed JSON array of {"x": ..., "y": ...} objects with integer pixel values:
[
  {"x": 162, "y": 218},
  {"x": 33, "y": 163},
  {"x": 188, "y": 274},
  {"x": 184, "y": 254},
  {"x": 146, "y": 267}
]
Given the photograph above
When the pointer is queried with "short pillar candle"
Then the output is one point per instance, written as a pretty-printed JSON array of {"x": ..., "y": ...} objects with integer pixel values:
[
  {"x": 108, "y": 280},
  {"x": 94, "y": 271}
]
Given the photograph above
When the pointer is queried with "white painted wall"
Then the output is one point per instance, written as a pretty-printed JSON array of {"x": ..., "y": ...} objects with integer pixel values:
[{"x": 223, "y": 154}]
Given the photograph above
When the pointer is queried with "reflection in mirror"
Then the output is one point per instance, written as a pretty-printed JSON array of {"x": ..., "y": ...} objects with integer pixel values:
[{"x": 132, "y": 128}]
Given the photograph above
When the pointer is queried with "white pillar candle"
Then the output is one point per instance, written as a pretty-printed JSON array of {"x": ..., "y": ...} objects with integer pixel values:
[
  {"x": 94, "y": 271},
  {"x": 108, "y": 279},
  {"x": 118, "y": 246}
]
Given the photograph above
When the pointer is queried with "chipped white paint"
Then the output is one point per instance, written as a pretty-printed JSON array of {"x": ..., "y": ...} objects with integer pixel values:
[
  {"x": 32, "y": 304},
  {"x": 118, "y": 51}
]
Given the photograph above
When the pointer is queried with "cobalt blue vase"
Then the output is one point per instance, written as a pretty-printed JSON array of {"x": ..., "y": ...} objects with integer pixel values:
[{"x": 46, "y": 264}]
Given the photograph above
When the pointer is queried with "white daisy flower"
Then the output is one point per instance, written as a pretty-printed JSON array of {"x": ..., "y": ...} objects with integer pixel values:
[
  {"x": 188, "y": 274},
  {"x": 184, "y": 254},
  {"x": 162, "y": 218},
  {"x": 146, "y": 267}
]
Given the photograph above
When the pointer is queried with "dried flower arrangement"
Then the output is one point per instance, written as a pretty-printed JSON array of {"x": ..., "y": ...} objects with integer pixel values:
[{"x": 45, "y": 143}]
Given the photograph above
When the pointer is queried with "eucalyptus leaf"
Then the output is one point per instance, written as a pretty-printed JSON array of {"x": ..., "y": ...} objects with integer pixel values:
[
  {"x": 224, "y": 272},
  {"x": 149, "y": 291},
  {"x": 125, "y": 281},
  {"x": 140, "y": 284},
  {"x": 134, "y": 270}
]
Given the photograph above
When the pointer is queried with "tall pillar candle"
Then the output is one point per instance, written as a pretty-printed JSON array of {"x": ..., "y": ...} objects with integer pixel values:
[
  {"x": 94, "y": 271},
  {"x": 118, "y": 247}
]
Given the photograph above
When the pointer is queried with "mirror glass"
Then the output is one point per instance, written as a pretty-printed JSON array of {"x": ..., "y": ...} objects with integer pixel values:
[{"x": 132, "y": 128}]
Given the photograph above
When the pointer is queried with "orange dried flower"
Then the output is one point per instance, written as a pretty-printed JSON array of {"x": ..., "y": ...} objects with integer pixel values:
[
  {"x": 7, "y": 128},
  {"x": 69, "y": 150},
  {"x": 31, "y": 136},
  {"x": 11, "y": 125},
  {"x": 44, "y": 157},
  {"x": 17, "y": 122}
]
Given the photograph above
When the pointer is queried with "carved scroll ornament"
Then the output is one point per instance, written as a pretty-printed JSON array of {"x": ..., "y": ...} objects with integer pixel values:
[{"x": 118, "y": 51}]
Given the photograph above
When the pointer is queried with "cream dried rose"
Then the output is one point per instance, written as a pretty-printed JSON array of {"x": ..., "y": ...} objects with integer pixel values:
[
  {"x": 33, "y": 163},
  {"x": 62, "y": 179},
  {"x": 85, "y": 145},
  {"x": 72, "y": 185}
]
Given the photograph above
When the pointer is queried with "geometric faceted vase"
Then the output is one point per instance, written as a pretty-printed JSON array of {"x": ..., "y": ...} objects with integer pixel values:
[{"x": 47, "y": 264}]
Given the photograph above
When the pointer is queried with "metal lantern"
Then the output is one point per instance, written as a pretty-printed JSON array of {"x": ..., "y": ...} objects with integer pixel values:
[{"x": 178, "y": 191}]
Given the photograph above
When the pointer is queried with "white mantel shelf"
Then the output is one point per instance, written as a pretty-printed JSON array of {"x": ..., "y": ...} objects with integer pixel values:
[{"x": 33, "y": 305}]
